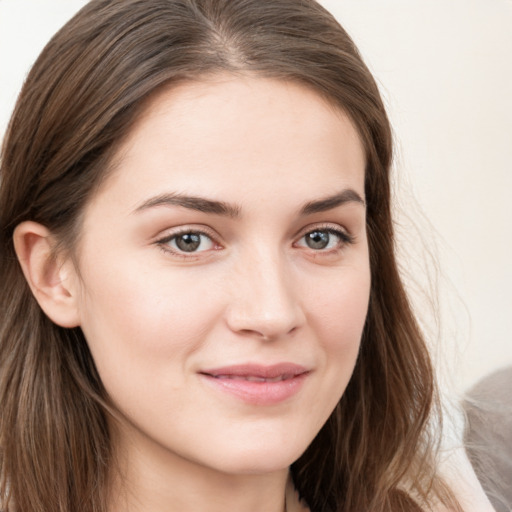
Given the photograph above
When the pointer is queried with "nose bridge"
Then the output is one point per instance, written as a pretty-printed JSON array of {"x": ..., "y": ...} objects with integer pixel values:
[{"x": 264, "y": 299}]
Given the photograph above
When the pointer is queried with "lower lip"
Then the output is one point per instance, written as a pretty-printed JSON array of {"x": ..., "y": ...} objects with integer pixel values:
[{"x": 258, "y": 393}]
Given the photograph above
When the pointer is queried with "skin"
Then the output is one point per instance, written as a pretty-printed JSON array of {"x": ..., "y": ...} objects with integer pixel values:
[{"x": 254, "y": 290}]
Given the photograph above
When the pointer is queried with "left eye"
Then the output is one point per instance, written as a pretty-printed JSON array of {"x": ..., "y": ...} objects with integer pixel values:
[
  {"x": 322, "y": 239},
  {"x": 191, "y": 241}
]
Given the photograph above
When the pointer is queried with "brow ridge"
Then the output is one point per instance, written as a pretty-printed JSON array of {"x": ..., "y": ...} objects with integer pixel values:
[
  {"x": 200, "y": 204},
  {"x": 223, "y": 208},
  {"x": 328, "y": 203}
]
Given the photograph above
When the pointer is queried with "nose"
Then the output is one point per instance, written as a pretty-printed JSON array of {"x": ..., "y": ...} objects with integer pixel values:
[{"x": 264, "y": 300}]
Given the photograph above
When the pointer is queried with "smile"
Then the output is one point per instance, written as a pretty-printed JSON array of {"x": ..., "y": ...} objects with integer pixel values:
[
  {"x": 257, "y": 384},
  {"x": 254, "y": 378}
]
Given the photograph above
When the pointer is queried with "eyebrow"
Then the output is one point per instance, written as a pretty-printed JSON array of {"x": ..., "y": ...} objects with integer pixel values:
[
  {"x": 328, "y": 203},
  {"x": 200, "y": 204},
  {"x": 204, "y": 205}
]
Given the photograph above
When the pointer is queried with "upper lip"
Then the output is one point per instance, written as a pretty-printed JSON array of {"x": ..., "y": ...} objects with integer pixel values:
[{"x": 284, "y": 370}]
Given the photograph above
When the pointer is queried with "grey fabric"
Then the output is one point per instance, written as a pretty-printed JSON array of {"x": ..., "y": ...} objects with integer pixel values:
[{"x": 488, "y": 436}]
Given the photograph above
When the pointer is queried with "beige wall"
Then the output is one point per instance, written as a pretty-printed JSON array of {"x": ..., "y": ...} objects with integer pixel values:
[{"x": 445, "y": 69}]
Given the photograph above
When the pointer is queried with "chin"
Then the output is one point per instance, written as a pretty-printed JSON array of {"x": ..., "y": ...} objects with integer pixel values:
[{"x": 260, "y": 459}]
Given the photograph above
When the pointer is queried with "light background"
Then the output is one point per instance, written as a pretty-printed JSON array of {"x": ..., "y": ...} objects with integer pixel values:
[{"x": 445, "y": 70}]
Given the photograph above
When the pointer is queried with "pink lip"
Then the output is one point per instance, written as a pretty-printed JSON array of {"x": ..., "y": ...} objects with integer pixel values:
[{"x": 258, "y": 384}]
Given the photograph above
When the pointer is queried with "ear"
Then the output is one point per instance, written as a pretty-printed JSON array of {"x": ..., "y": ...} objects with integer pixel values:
[{"x": 53, "y": 282}]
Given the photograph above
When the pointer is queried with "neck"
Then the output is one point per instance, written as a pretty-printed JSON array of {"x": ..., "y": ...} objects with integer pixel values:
[{"x": 150, "y": 479}]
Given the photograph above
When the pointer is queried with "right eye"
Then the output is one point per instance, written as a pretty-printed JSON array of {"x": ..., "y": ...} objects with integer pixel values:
[{"x": 187, "y": 242}]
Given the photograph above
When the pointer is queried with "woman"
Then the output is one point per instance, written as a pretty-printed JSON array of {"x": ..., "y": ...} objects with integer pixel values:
[{"x": 201, "y": 307}]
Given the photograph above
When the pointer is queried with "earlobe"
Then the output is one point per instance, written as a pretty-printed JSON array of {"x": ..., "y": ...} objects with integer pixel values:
[{"x": 52, "y": 281}]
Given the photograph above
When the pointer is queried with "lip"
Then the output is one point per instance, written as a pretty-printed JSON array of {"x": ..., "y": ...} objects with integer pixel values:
[{"x": 258, "y": 384}]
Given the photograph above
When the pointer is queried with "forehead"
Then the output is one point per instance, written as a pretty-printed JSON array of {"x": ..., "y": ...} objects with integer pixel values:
[{"x": 232, "y": 132}]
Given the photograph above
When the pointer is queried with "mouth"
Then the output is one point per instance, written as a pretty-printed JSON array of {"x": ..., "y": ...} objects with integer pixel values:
[
  {"x": 258, "y": 384},
  {"x": 254, "y": 378}
]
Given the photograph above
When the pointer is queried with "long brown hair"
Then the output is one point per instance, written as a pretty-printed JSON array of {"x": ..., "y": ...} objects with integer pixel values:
[{"x": 376, "y": 451}]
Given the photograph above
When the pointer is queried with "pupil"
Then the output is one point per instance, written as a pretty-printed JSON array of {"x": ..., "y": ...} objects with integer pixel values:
[
  {"x": 317, "y": 239},
  {"x": 188, "y": 242}
]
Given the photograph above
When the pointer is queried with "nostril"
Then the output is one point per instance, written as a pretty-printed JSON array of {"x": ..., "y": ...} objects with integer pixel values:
[
  {"x": 264, "y": 302},
  {"x": 265, "y": 329}
]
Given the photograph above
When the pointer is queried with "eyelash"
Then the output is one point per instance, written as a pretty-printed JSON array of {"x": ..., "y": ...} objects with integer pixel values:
[
  {"x": 163, "y": 243},
  {"x": 344, "y": 240},
  {"x": 344, "y": 237}
]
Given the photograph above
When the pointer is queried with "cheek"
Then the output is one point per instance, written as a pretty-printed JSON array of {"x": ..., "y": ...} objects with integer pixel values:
[
  {"x": 143, "y": 319},
  {"x": 338, "y": 317},
  {"x": 337, "y": 314},
  {"x": 339, "y": 309},
  {"x": 143, "y": 330}
]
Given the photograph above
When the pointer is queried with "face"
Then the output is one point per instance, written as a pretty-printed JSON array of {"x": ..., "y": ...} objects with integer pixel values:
[{"x": 224, "y": 273}]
